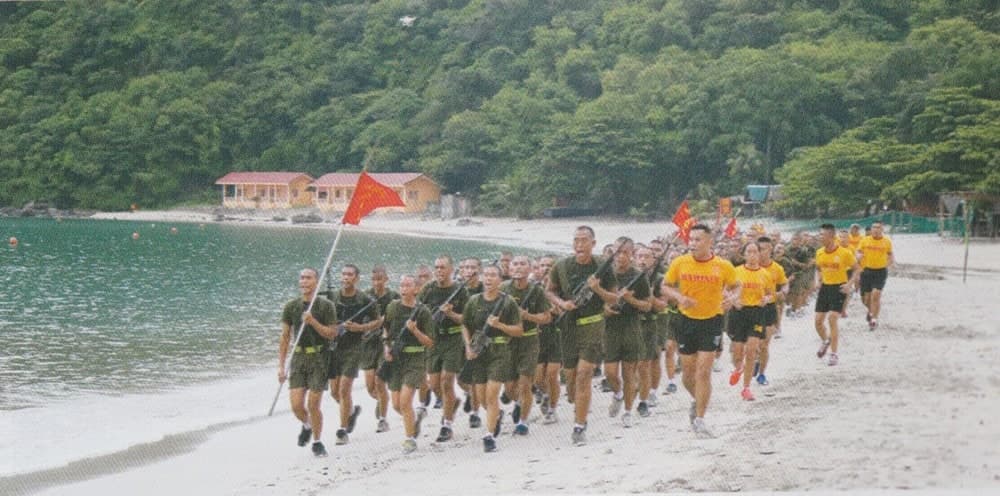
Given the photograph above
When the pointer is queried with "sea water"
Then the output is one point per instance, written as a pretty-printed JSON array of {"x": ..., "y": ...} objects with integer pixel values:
[{"x": 107, "y": 341}]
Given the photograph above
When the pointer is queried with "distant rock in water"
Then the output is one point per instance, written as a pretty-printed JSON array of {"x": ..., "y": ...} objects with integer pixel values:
[
  {"x": 306, "y": 218},
  {"x": 41, "y": 209}
]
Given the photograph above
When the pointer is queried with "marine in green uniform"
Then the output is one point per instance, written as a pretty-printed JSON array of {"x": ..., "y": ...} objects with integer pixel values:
[
  {"x": 623, "y": 334},
  {"x": 446, "y": 358},
  {"x": 372, "y": 348},
  {"x": 498, "y": 316},
  {"x": 583, "y": 334},
  {"x": 309, "y": 361},
  {"x": 345, "y": 360},
  {"x": 534, "y": 310},
  {"x": 409, "y": 322}
]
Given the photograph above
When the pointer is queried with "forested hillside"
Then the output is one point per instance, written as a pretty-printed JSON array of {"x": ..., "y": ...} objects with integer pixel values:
[{"x": 625, "y": 106}]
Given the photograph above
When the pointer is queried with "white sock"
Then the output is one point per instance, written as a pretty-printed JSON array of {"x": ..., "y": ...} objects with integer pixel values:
[
  {"x": 581, "y": 426},
  {"x": 307, "y": 425},
  {"x": 447, "y": 423},
  {"x": 619, "y": 395}
]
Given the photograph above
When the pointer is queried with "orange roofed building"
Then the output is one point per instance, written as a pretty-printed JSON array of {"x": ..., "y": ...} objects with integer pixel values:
[
  {"x": 266, "y": 189},
  {"x": 333, "y": 191}
]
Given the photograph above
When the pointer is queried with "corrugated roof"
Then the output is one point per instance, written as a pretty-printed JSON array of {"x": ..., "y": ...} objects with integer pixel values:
[
  {"x": 261, "y": 177},
  {"x": 350, "y": 178}
]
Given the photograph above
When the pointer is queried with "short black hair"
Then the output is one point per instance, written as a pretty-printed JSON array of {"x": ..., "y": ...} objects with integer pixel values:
[
  {"x": 828, "y": 227},
  {"x": 588, "y": 229},
  {"x": 701, "y": 227},
  {"x": 352, "y": 267}
]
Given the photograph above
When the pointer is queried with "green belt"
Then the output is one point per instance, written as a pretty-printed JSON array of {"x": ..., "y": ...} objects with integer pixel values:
[
  {"x": 668, "y": 310},
  {"x": 533, "y": 332},
  {"x": 453, "y": 330},
  {"x": 499, "y": 340},
  {"x": 413, "y": 349},
  {"x": 647, "y": 317},
  {"x": 309, "y": 349},
  {"x": 589, "y": 320}
]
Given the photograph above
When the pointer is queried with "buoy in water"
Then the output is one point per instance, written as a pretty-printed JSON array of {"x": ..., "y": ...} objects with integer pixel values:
[
  {"x": 13, "y": 241},
  {"x": 173, "y": 230},
  {"x": 135, "y": 235}
]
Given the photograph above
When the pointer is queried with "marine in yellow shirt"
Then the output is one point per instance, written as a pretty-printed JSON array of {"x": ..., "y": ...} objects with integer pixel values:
[
  {"x": 747, "y": 321},
  {"x": 772, "y": 311},
  {"x": 875, "y": 258},
  {"x": 832, "y": 263},
  {"x": 698, "y": 281}
]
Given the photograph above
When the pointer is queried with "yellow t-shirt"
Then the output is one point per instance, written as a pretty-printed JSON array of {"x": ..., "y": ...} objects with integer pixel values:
[
  {"x": 756, "y": 283},
  {"x": 875, "y": 252},
  {"x": 833, "y": 266},
  {"x": 778, "y": 277},
  {"x": 701, "y": 281},
  {"x": 854, "y": 241}
]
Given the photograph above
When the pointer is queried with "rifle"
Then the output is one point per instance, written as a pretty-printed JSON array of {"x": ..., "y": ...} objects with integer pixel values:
[
  {"x": 438, "y": 315},
  {"x": 582, "y": 294},
  {"x": 397, "y": 346},
  {"x": 620, "y": 304},
  {"x": 479, "y": 340},
  {"x": 341, "y": 330}
]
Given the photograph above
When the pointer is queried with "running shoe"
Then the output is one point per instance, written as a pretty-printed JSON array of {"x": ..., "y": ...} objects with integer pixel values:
[
  {"x": 319, "y": 450},
  {"x": 693, "y": 412},
  {"x": 437, "y": 402},
  {"x": 833, "y": 360},
  {"x": 671, "y": 388},
  {"x": 489, "y": 444},
  {"x": 762, "y": 380},
  {"x": 545, "y": 404},
  {"x": 409, "y": 446},
  {"x": 515, "y": 415},
  {"x": 615, "y": 407},
  {"x": 550, "y": 417},
  {"x": 504, "y": 398},
  {"x": 822, "y": 348},
  {"x": 735, "y": 376},
  {"x": 444, "y": 435},
  {"x": 873, "y": 324},
  {"x": 341, "y": 437},
  {"x": 651, "y": 400},
  {"x": 627, "y": 420},
  {"x": 747, "y": 395},
  {"x": 701, "y": 430},
  {"x": 383, "y": 426},
  {"x": 421, "y": 413},
  {"x": 868, "y": 318},
  {"x": 353, "y": 419},
  {"x": 304, "y": 436},
  {"x": 467, "y": 405},
  {"x": 579, "y": 438},
  {"x": 605, "y": 385},
  {"x": 475, "y": 422},
  {"x": 643, "y": 410},
  {"x": 535, "y": 390},
  {"x": 521, "y": 430}
]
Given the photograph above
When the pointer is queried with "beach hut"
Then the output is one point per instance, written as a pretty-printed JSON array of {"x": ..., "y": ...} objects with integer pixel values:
[
  {"x": 265, "y": 189},
  {"x": 333, "y": 191}
]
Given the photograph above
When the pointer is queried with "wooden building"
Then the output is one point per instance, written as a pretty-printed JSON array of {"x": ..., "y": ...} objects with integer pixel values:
[
  {"x": 266, "y": 189},
  {"x": 333, "y": 191}
]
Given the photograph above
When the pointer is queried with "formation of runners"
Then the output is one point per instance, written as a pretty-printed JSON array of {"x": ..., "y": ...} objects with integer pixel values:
[{"x": 461, "y": 334}]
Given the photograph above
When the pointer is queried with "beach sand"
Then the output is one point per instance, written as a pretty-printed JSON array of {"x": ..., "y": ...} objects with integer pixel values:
[{"x": 912, "y": 406}]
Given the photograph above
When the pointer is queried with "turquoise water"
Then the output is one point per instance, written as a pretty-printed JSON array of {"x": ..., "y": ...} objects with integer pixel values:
[{"x": 85, "y": 309}]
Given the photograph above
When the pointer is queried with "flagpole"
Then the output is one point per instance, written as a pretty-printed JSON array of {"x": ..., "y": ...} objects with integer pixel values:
[{"x": 302, "y": 326}]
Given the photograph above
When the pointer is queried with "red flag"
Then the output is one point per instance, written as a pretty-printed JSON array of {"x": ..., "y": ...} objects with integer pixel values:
[
  {"x": 369, "y": 194},
  {"x": 683, "y": 220},
  {"x": 731, "y": 228}
]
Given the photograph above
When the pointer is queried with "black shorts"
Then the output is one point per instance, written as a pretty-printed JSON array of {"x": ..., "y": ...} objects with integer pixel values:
[
  {"x": 770, "y": 314},
  {"x": 873, "y": 279},
  {"x": 695, "y": 335},
  {"x": 830, "y": 299},
  {"x": 745, "y": 323}
]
